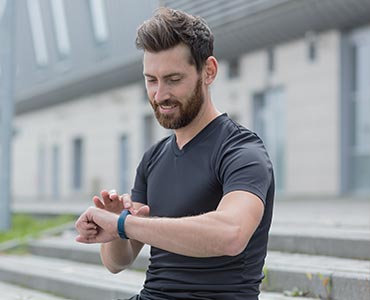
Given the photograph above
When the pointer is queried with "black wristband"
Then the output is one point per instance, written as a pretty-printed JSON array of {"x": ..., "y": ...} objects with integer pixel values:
[{"x": 121, "y": 224}]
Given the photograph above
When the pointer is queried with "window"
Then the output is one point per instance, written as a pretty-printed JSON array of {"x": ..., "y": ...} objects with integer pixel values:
[
  {"x": 99, "y": 20},
  {"x": 234, "y": 69},
  {"x": 41, "y": 170},
  {"x": 269, "y": 124},
  {"x": 38, "y": 33},
  {"x": 55, "y": 171},
  {"x": 271, "y": 60},
  {"x": 360, "y": 119},
  {"x": 311, "y": 44},
  {"x": 148, "y": 133},
  {"x": 123, "y": 165},
  {"x": 77, "y": 164},
  {"x": 60, "y": 26}
]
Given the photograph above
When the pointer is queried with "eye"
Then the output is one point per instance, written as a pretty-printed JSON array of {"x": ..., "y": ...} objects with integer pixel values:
[{"x": 174, "y": 80}]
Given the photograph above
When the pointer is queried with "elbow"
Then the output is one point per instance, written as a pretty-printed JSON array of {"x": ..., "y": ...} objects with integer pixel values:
[
  {"x": 236, "y": 242},
  {"x": 112, "y": 266},
  {"x": 114, "y": 269}
]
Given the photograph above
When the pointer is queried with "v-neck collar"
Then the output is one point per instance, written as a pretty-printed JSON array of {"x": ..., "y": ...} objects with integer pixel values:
[{"x": 202, "y": 134}]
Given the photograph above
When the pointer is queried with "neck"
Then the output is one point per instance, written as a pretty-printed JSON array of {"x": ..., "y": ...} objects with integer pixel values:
[{"x": 205, "y": 116}]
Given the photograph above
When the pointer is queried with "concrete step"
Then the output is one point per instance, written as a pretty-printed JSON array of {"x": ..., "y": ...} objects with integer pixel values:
[
  {"x": 343, "y": 242},
  {"x": 71, "y": 279},
  {"x": 13, "y": 292},
  {"x": 318, "y": 276},
  {"x": 78, "y": 281},
  {"x": 65, "y": 247}
]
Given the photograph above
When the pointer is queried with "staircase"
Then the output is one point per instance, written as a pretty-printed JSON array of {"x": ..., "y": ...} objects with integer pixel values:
[{"x": 305, "y": 259}]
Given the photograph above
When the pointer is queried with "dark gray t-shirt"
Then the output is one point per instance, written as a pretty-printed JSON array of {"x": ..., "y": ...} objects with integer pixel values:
[{"x": 222, "y": 158}]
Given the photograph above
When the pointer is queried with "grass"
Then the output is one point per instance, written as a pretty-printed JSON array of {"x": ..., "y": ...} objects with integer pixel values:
[{"x": 25, "y": 226}]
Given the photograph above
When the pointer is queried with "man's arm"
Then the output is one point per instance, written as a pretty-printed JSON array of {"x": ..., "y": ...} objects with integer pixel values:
[
  {"x": 225, "y": 231},
  {"x": 118, "y": 254}
]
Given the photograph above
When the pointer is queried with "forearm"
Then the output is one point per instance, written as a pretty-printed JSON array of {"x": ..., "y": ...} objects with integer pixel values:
[
  {"x": 207, "y": 235},
  {"x": 119, "y": 254}
]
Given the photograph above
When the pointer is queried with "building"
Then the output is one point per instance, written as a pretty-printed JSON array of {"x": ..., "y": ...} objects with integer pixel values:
[{"x": 297, "y": 72}]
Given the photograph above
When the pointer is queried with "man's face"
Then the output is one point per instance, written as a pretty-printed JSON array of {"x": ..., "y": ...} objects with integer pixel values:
[{"x": 174, "y": 87}]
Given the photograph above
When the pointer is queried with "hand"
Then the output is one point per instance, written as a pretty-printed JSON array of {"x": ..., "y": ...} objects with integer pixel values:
[
  {"x": 111, "y": 201},
  {"x": 97, "y": 226}
]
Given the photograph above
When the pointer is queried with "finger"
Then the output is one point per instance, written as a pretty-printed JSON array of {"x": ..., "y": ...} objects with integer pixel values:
[
  {"x": 127, "y": 203},
  {"x": 89, "y": 226},
  {"x": 113, "y": 195},
  {"x": 85, "y": 240},
  {"x": 143, "y": 211},
  {"x": 106, "y": 198},
  {"x": 98, "y": 203}
]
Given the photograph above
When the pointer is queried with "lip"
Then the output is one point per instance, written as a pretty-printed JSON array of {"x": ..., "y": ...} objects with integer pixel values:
[{"x": 167, "y": 109}]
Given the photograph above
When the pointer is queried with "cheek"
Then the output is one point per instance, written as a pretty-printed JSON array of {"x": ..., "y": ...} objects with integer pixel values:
[{"x": 150, "y": 92}]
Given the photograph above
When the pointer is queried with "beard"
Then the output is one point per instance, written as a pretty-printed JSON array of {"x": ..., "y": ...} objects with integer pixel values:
[{"x": 186, "y": 111}]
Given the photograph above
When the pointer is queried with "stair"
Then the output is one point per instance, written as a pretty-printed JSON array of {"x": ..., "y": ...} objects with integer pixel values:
[
  {"x": 80, "y": 281},
  {"x": 13, "y": 292},
  {"x": 313, "y": 275},
  {"x": 325, "y": 258}
]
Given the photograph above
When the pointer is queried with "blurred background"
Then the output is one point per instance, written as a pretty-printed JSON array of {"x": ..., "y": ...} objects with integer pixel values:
[
  {"x": 75, "y": 117},
  {"x": 296, "y": 72}
]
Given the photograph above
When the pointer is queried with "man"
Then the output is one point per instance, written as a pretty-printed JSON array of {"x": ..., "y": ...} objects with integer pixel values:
[{"x": 202, "y": 197}]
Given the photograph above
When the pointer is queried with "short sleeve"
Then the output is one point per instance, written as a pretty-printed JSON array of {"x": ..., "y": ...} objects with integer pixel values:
[
  {"x": 139, "y": 191},
  {"x": 244, "y": 165}
]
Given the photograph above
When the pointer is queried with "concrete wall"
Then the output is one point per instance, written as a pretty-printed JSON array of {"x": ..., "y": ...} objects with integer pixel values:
[
  {"x": 312, "y": 129},
  {"x": 311, "y": 108}
]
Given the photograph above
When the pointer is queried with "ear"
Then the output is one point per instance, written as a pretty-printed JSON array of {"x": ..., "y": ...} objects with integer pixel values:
[{"x": 210, "y": 70}]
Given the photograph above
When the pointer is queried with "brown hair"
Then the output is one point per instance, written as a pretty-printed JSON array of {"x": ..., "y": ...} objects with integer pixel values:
[{"x": 168, "y": 28}]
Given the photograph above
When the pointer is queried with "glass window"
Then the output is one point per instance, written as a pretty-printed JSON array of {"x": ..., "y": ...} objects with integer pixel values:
[
  {"x": 311, "y": 44},
  {"x": 60, "y": 26},
  {"x": 234, "y": 69},
  {"x": 149, "y": 131},
  {"x": 123, "y": 166},
  {"x": 269, "y": 124},
  {"x": 99, "y": 20},
  {"x": 77, "y": 164},
  {"x": 55, "y": 172},
  {"x": 271, "y": 60},
  {"x": 360, "y": 120},
  {"x": 41, "y": 170},
  {"x": 38, "y": 33}
]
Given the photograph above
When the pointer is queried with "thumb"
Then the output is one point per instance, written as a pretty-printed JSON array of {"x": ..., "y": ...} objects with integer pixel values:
[
  {"x": 98, "y": 203},
  {"x": 143, "y": 211}
]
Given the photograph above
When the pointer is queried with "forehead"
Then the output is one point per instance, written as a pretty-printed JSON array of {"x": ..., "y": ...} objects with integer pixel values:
[{"x": 174, "y": 60}]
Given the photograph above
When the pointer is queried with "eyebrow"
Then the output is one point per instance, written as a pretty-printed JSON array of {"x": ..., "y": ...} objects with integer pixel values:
[{"x": 166, "y": 76}]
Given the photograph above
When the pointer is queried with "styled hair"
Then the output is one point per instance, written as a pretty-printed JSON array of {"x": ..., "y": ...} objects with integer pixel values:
[{"x": 169, "y": 28}]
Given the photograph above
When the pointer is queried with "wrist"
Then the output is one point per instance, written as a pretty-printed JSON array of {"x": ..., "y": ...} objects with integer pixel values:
[{"x": 121, "y": 224}]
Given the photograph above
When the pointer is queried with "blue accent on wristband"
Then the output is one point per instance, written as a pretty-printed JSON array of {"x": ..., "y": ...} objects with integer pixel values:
[{"x": 121, "y": 224}]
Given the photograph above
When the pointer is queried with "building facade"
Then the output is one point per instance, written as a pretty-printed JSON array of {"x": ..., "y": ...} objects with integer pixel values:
[{"x": 297, "y": 74}]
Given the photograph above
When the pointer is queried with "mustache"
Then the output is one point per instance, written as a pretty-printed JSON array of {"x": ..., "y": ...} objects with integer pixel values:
[{"x": 167, "y": 102}]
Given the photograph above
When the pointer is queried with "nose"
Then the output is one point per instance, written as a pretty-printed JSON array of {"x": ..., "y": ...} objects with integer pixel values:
[{"x": 161, "y": 93}]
